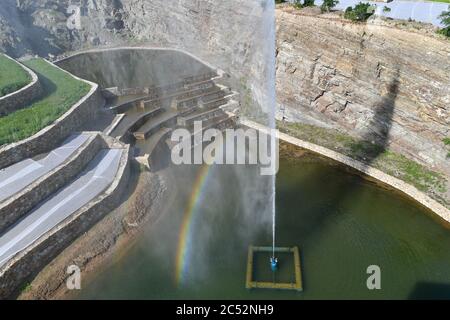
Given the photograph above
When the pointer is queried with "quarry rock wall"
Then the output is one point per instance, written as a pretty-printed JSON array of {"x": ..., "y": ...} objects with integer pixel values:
[
  {"x": 330, "y": 72},
  {"x": 334, "y": 73}
]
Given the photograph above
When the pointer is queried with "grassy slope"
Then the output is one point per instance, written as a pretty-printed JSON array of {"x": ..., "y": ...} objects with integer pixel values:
[
  {"x": 61, "y": 91},
  {"x": 387, "y": 161},
  {"x": 12, "y": 76}
]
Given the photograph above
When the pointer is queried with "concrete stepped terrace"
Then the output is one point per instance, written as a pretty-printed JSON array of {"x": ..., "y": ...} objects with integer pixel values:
[
  {"x": 30, "y": 243},
  {"x": 165, "y": 119},
  {"x": 91, "y": 182},
  {"x": 121, "y": 102},
  {"x": 132, "y": 121},
  {"x": 58, "y": 180},
  {"x": 27, "y": 182}
]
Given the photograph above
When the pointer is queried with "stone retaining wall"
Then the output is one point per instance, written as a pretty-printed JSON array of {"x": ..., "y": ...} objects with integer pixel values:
[
  {"x": 26, "y": 264},
  {"x": 22, "y": 97},
  {"x": 17, "y": 206},
  {"x": 405, "y": 188},
  {"x": 73, "y": 120}
]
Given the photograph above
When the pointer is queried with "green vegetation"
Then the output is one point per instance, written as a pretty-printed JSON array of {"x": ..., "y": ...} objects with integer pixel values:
[
  {"x": 360, "y": 13},
  {"x": 12, "y": 76},
  {"x": 386, "y": 9},
  {"x": 26, "y": 287},
  {"x": 385, "y": 160},
  {"x": 446, "y": 141},
  {"x": 280, "y": 1},
  {"x": 297, "y": 4},
  {"x": 61, "y": 91},
  {"x": 327, "y": 5},
  {"x": 445, "y": 19}
]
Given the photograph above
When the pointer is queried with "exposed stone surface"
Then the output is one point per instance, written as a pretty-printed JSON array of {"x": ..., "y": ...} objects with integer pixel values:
[
  {"x": 330, "y": 72},
  {"x": 334, "y": 73}
]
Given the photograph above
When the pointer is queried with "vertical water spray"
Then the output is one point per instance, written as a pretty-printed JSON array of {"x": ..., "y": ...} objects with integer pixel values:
[{"x": 269, "y": 26}]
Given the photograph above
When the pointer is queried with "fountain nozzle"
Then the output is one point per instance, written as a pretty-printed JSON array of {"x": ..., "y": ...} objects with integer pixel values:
[{"x": 274, "y": 264}]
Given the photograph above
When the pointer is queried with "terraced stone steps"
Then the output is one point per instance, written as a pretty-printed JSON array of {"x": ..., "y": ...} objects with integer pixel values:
[
  {"x": 99, "y": 174},
  {"x": 25, "y": 184},
  {"x": 220, "y": 122},
  {"x": 165, "y": 119},
  {"x": 132, "y": 121},
  {"x": 131, "y": 97},
  {"x": 187, "y": 101},
  {"x": 149, "y": 149}
]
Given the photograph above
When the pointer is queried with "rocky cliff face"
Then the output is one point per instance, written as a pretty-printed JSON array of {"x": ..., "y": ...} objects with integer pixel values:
[
  {"x": 375, "y": 81},
  {"x": 229, "y": 34}
]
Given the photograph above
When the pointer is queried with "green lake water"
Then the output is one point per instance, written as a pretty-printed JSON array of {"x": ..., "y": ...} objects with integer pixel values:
[{"x": 341, "y": 223}]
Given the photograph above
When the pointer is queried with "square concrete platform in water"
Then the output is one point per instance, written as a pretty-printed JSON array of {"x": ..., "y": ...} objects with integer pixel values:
[{"x": 260, "y": 275}]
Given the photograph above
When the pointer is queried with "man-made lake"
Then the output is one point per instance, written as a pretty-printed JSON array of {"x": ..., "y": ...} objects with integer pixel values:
[{"x": 341, "y": 223}]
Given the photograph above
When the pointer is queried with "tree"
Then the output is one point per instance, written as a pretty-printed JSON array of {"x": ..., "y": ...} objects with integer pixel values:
[
  {"x": 361, "y": 12},
  {"x": 308, "y": 3},
  {"x": 445, "y": 20},
  {"x": 386, "y": 9},
  {"x": 297, "y": 4},
  {"x": 327, "y": 5}
]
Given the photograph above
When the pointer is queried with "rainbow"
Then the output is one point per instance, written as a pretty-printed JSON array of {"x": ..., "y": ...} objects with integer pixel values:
[{"x": 185, "y": 234}]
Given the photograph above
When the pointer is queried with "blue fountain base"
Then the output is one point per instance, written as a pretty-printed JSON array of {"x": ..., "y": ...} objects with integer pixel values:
[{"x": 274, "y": 264}]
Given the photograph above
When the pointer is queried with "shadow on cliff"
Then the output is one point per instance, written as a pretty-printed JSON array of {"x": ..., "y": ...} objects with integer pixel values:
[
  {"x": 320, "y": 212},
  {"x": 375, "y": 139},
  {"x": 374, "y": 142}
]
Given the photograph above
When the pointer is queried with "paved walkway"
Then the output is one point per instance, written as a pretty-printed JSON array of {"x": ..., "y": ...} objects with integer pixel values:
[
  {"x": 94, "y": 180},
  {"x": 20, "y": 175}
]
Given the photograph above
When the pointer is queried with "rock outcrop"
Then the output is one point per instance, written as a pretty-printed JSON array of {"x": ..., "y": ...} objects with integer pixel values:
[
  {"x": 334, "y": 73},
  {"x": 330, "y": 72}
]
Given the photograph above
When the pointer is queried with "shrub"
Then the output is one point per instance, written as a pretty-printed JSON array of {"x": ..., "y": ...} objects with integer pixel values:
[
  {"x": 445, "y": 19},
  {"x": 297, "y": 4},
  {"x": 327, "y": 5},
  {"x": 361, "y": 12},
  {"x": 386, "y": 9},
  {"x": 308, "y": 3}
]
